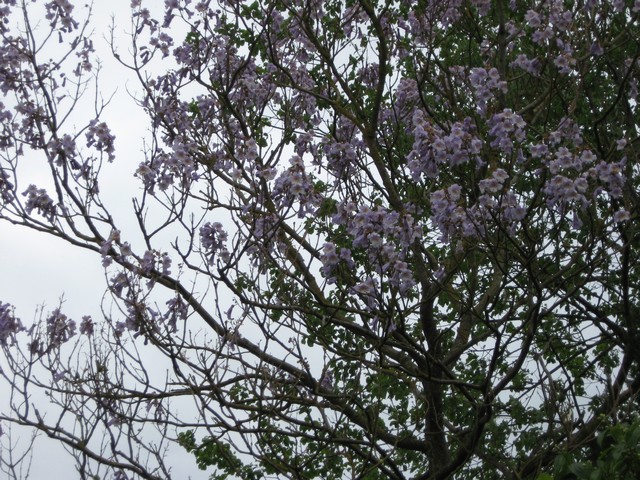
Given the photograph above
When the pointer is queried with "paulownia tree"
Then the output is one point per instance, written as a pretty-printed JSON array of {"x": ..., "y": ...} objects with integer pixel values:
[{"x": 374, "y": 239}]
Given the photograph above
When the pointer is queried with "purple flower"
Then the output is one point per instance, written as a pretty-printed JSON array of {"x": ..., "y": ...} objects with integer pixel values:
[
  {"x": 483, "y": 6},
  {"x": 176, "y": 310},
  {"x": 611, "y": 174},
  {"x": 484, "y": 84},
  {"x": 60, "y": 11},
  {"x": 507, "y": 128},
  {"x": 326, "y": 381},
  {"x": 529, "y": 65},
  {"x": 6, "y": 187},
  {"x": 446, "y": 214},
  {"x": 621, "y": 215},
  {"x": 533, "y": 18},
  {"x": 329, "y": 259},
  {"x": 37, "y": 199},
  {"x": 402, "y": 277},
  {"x": 118, "y": 283},
  {"x": 99, "y": 137},
  {"x": 148, "y": 262},
  {"x": 86, "y": 326},
  {"x": 65, "y": 149},
  {"x": 9, "y": 324},
  {"x": 60, "y": 328},
  {"x": 213, "y": 239},
  {"x": 564, "y": 62}
]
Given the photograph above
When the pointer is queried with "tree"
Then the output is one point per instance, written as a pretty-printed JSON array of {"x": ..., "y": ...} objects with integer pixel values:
[{"x": 375, "y": 239}]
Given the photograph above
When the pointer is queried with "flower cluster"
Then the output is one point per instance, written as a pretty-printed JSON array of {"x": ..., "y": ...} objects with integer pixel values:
[
  {"x": 507, "y": 129},
  {"x": 368, "y": 226},
  {"x": 9, "y": 324},
  {"x": 529, "y": 65},
  {"x": 611, "y": 176},
  {"x": 107, "y": 246},
  {"x": 483, "y": 6},
  {"x": 433, "y": 147},
  {"x": 295, "y": 185},
  {"x": 65, "y": 151},
  {"x": 213, "y": 239},
  {"x": 60, "y": 11},
  {"x": 155, "y": 261},
  {"x": 341, "y": 157},
  {"x": 446, "y": 213},
  {"x": 564, "y": 190},
  {"x": 39, "y": 200},
  {"x": 176, "y": 310},
  {"x": 87, "y": 326},
  {"x": 118, "y": 283},
  {"x": 60, "y": 329},
  {"x": 6, "y": 118},
  {"x": 495, "y": 183},
  {"x": 385, "y": 234},
  {"x": 485, "y": 83},
  {"x": 331, "y": 258},
  {"x": 576, "y": 175},
  {"x": 136, "y": 320},
  {"x": 497, "y": 202},
  {"x": 99, "y": 137},
  {"x": 6, "y": 187},
  {"x": 406, "y": 97}
]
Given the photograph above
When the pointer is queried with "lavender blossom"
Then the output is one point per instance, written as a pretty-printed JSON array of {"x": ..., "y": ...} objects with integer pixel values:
[
  {"x": 86, "y": 326},
  {"x": 60, "y": 329},
  {"x": 37, "y": 199},
  {"x": 326, "y": 381},
  {"x": 176, "y": 310},
  {"x": 213, "y": 239},
  {"x": 6, "y": 187},
  {"x": 9, "y": 324},
  {"x": 99, "y": 137}
]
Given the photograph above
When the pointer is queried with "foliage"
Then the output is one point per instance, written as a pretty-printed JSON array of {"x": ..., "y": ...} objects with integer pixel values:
[
  {"x": 614, "y": 453},
  {"x": 374, "y": 239}
]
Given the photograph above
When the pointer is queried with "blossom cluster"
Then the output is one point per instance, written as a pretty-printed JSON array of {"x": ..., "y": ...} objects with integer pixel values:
[
  {"x": 433, "y": 147},
  {"x": 61, "y": 11},
  {"x": 576, "y": 175},
  {"x": 446, "y": 213},
  {"x": 507, "y": 130},
  {"x": 176, "y": 310},
  {"x": 107, "y": 247},
  {"x": 384, "y": 234},
  {"x": 40, "y": 201},
  {"x": 6, "y": 187},
  {"x": 331, "y": 257},
  {"x": 64, "y": 150},
  {"x": 155, "y": 261},
  {"x": 59, "y": 330},
  {"x": 213, "y": 239},
  {"x": 295, "y": 185},
  {"x": 9, "y": 324},
  {"x": 485, "y": 84},
  {"x": 99, "y": 136}
]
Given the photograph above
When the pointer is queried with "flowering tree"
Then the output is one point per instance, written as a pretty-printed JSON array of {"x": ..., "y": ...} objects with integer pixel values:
[{"x": 375, "y": 239}]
